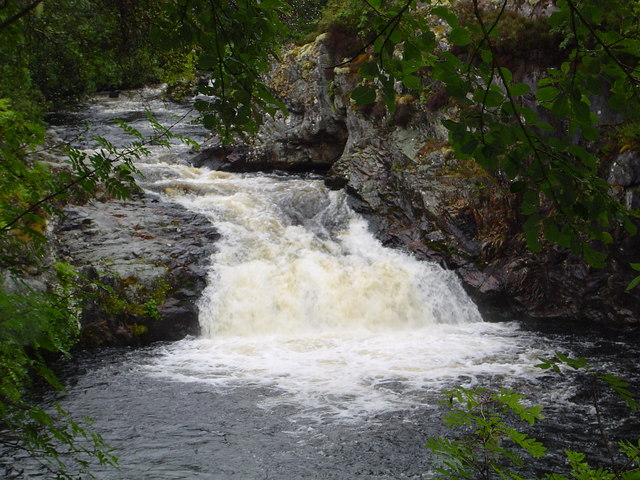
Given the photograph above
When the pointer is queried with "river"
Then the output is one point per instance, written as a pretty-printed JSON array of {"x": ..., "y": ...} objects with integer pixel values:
[{"x": 323, "y": 354}]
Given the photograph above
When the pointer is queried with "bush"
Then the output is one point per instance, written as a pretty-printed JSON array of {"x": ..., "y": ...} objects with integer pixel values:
[{"x": 492, "y": 446}]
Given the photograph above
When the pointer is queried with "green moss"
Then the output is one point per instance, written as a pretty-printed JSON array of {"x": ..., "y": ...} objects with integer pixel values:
[
  {"x": 126, "y": 298},
  {"x": 629, "y": 136},
  {"x": 464, "y": 168},
  {"x": 138, "y": 330},
  {"x": 517, "y": 40}
]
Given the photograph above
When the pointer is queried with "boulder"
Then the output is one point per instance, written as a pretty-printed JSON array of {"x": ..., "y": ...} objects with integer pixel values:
[
  {"x": 310, "y": 137},
  {"x": 143, "y": 265}
]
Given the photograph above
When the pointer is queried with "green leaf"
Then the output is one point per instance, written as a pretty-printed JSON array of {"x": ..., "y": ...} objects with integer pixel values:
[
  {"x": 629, "y": 226},
  {"x": 412, "y": 82},
  {"x": 363, "y": 95},
  {"x": 446, "y": 14},
  {"x": 493, "y": 99},
  {"x": 544, "y": 126},
  {"x": 427, "y": 41},
  {"x": 411, "y": 52},
  {"x": 486, "y": 56},
  {"x": 546, "y": 94},
  {"x": 519, "y": 89},
  {"x": 395, "y": 36},
  {"x": 529, "y": 115},
  {"x": 594, "y": 257},
  {"x": 369, "y": 69},
  {"x": 460, "y": 36},
  {"x": 633, "y": 283},
  {"x": 531, "y": 230},
  {"x": 581, "y": 112},
  {"x": 506, "y": 73},
  {"x": 530, "y": 202},
  {"x": 561, "y": 107},
  {"x": 551, "y": 230},
  {"x": 620, "y": 387}
]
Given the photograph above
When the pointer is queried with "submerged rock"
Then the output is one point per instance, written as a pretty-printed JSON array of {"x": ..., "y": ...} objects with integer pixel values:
[{"x": 144, "y": 262}]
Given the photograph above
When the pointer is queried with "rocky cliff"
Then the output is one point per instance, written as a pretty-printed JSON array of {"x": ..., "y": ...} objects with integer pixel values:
[{"x": 402, "y": 175}]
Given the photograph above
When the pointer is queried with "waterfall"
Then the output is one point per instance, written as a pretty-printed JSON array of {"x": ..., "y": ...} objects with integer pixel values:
[
  {"x": 294, "y": 258},
  {"x": 303, "y": 299}
]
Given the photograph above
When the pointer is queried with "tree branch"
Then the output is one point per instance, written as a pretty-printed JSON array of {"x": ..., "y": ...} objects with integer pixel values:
[
  {"x": 20, "y": 14},
  {"x": 393, "y": 21},
  {"x": 634, "y": 81}
]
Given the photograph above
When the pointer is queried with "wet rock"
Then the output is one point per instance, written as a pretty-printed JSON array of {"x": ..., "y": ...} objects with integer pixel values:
[
  {"x": 310, "y": 137},
  {"x": 624, "y": 176},
  {"x": 149, "y": 260},
  {"x": 625, "y": 169},
  {"x": 218, "y": 157}
]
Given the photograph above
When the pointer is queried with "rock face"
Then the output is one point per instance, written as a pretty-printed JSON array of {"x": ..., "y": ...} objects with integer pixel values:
[
  {"x": 402, "y": 175},
  {"x": 624, "y": 176},
  {"x": 148, "y": 259},
  {"x": 313, "y": 134}
]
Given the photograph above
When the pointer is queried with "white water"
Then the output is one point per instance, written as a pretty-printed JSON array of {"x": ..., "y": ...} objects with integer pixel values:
[{"x": 304, "y": 299}]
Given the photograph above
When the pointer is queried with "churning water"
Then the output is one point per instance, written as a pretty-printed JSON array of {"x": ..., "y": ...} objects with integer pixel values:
[
  {"x": 302, "y": 298},
  {"x": 323, "y": 353}
]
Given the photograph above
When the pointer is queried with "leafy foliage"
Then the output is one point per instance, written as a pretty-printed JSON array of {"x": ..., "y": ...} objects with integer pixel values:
[
  {"x": 235, "y": 42},
  {"x": 535, "y": 138},
  {"x": 32, "y": 324},
  {"x": 484, "y": 451},
  {"x": 71, "y": 48},
  {"x": 74, "y": 55},
  {"x": 491, "y": 447},
  {"x": 35, "y": 324},
  {"x": 30, "y": 192}
]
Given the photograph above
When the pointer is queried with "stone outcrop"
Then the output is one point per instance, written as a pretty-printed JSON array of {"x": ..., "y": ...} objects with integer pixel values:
[
  {"x": 402, "y": 175},
  {"x": 311, "y": 136},
  {"x": 145, "y": 262}
]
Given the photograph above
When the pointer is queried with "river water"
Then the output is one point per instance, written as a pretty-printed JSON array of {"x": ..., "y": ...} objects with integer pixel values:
[{"x": 323, "y": 354}]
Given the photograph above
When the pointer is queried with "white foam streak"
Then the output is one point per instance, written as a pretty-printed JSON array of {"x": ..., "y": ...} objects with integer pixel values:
[
  {"x": 294, "y": 257},
  {"x": 355, "y": 373}
]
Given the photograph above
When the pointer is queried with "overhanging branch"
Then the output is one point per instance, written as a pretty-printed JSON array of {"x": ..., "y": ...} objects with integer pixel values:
[{"x": 14, "y": 18}]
